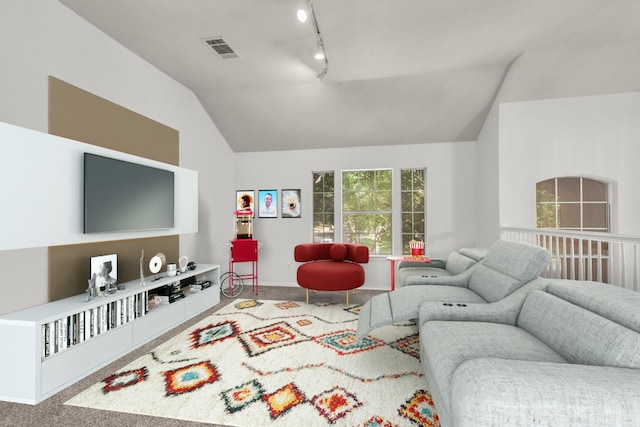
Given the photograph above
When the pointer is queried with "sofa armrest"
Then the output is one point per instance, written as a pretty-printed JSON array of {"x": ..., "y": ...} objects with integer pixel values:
[
  {"x": 434, "y": 263},
  {"x": 491, "y": 391},
  {"x": 461, "y": 279},
  {"x": 504, "y": 311}
]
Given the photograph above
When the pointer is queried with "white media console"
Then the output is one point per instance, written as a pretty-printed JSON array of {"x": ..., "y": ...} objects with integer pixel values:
[{"x": 39, "y": 357}]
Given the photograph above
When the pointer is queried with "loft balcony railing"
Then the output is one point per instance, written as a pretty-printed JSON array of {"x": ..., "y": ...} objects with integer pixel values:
[{"x": 576, "y": 255}]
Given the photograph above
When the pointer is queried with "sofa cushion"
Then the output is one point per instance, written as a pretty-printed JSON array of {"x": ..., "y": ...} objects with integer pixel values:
[
  {"x": 330, "y": 275},
  {"x": 578, "y": 334},
  {"x": 507, "y": 266},
  {"x": 499, "y": 392},
  {"x": 445, "y": 346},
  {"x": 457, "y": 263},
  {"x": 338, "y": 252}
]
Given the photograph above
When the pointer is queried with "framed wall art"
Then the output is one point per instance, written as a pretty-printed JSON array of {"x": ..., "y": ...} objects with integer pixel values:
[
  {"x": 291, "y": 206},
  {"x": 245, "y": 199},
  {"x": 268, "y": 203}
]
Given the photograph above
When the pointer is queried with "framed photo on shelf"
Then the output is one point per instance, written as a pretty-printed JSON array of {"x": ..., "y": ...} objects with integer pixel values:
[
  {"x": 245, "y": 199},
  {"x": 291, "y": 207},
  {"x": 104, "y": 272},
  {"x": 268, "y": 204}
]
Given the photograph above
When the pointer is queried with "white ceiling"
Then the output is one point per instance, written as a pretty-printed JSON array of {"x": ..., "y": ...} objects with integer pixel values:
[{"x": 400, "y": 71}]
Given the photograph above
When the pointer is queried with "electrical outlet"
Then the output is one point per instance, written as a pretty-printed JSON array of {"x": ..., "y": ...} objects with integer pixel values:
[{"x": 288, "y": 266}]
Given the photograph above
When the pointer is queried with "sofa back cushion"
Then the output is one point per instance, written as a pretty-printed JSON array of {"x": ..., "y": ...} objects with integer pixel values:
[
  {"x": 305, "y": 252},
  {"x": 612, "y": 302},
  {"x": 457, "y": 263},
  {"x": 506, "y": 267},
  {"x": 579, "y": 334}
]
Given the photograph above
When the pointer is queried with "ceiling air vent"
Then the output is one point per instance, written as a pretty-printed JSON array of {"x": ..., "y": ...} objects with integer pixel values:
[{"x": 221, "y": 47}]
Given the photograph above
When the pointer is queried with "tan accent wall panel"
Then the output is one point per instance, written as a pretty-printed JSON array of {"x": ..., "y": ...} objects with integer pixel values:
[
  {"x": 70, "y": 265},
  {"x": 80, "y": 115},
  {"x": 77, "y": 114}
]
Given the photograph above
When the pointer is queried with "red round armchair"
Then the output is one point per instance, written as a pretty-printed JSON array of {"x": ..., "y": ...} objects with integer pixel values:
[{"x": 331, "y": 266}]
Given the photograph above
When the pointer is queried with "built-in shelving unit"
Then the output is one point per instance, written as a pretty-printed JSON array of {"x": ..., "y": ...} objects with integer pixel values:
[{"x": 49, "y": 347}]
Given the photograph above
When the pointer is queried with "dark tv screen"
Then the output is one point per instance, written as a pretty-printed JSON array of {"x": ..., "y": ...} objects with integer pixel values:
[{"x": 125, "y": 196}]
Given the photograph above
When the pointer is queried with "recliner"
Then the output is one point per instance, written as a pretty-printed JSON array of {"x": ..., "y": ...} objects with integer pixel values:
[
  {"x": 456, "y": 263},
  {"x": 506, "y": 268}
]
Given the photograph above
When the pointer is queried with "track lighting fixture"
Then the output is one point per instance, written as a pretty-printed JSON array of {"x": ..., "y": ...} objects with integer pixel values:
[{"x": 320, "y": 53}]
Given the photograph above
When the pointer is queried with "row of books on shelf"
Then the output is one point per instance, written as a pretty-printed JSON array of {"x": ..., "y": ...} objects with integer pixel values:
[{"x": 79, "y": 327}]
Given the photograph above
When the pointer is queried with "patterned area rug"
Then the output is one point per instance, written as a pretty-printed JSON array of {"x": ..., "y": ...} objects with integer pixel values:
[{"x": 277, "y": 363}]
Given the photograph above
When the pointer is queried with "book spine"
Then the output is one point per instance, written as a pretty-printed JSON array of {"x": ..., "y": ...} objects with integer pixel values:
[
  {"x": 118, "y": 313},
  {"x": 46, "y": 337},
  {"x": 87, "y": 324},
  {"x": 81, "y": 326},
  {"x": 62, "y": 333},
  {"x": 94, "y": 321}
]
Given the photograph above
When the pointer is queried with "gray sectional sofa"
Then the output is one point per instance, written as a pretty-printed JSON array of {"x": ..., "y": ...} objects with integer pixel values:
[
  {"x": 567, "y": 355},
  {"x": 502, "y": 346}
]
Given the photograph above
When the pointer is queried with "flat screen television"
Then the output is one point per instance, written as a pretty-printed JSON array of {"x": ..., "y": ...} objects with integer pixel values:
[{"x": 124, "y": 196}]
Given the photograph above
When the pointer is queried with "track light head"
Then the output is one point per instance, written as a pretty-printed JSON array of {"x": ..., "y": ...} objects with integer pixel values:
[
  {"x": 322, "y": 74},
  {"x": 302, "y": 15}
]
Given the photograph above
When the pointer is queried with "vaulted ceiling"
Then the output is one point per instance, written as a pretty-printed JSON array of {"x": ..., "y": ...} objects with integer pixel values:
[{"x": 399, "y": 72}]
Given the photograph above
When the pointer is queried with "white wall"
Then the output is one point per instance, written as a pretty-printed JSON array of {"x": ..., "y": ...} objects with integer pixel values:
[
  {"x": 39, "y": 38},
  {"x": 46, "y": 209},
  {"x": 451, "y": 199},
  {"x": 596, "y": 136}
]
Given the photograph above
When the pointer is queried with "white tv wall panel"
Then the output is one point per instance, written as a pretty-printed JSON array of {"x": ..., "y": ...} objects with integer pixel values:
[{"x": 42, "y": 188}]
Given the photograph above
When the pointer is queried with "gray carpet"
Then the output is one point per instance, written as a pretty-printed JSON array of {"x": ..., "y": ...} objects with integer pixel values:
[{"x": 53, "y": 411}]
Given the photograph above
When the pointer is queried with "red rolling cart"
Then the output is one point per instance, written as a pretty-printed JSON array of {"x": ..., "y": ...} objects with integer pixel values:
[
  {"x": 243, "y": 248},
  {"x": 232, "y": 282}
]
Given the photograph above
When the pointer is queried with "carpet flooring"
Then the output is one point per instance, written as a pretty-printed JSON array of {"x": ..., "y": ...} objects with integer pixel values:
[{"x": 54, "y": 411}]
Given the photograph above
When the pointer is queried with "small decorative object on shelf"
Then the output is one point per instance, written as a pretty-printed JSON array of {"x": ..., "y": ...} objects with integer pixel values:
[
  {"x": 183, "y": 261},
  {"x": 91, "y": 289},
  {"x": 156, "y": 263},
  {"x": 142, "y": 282}
]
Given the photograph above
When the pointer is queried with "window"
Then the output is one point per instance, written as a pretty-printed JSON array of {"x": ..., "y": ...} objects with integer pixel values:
[
  {"x": 323, "y": 207},
  {"x": 367, "y": 209},
  {"x": 413, "y": 206},
  {"x": 578, "y": 204},
  {"x": 572, "y": 203}
]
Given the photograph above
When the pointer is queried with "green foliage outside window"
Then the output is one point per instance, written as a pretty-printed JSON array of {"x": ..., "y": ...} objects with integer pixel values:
[{"x": 367, "y": 209}]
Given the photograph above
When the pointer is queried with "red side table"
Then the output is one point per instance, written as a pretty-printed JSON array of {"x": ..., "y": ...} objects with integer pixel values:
[{"x": 405, "y": 258}]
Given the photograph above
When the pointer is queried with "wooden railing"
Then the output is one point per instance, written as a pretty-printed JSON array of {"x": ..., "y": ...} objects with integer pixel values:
[{"x": 600, "y": 257}]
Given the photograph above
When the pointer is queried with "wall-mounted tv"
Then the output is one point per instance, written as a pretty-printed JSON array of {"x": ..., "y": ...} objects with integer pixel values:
[{"x": 124, "y": 196}]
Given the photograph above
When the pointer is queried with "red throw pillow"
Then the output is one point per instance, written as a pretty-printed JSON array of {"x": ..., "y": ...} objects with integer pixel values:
[{"x": 338, "y": 252}]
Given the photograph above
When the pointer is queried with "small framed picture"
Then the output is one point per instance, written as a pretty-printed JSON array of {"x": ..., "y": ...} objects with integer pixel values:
[
  {"x": 244, "y": 199},
  {"x": 268, "y": 203},
  {"x": 104, "y": 273},
  {"x": 291, "y": 207}
]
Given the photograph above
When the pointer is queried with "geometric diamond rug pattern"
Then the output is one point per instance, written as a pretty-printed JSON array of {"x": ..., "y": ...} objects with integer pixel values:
[{"x": 275, "y": 363}]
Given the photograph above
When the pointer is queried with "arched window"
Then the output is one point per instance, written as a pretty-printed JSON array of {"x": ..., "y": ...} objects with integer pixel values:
[{"x": 573, "y": 203}]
